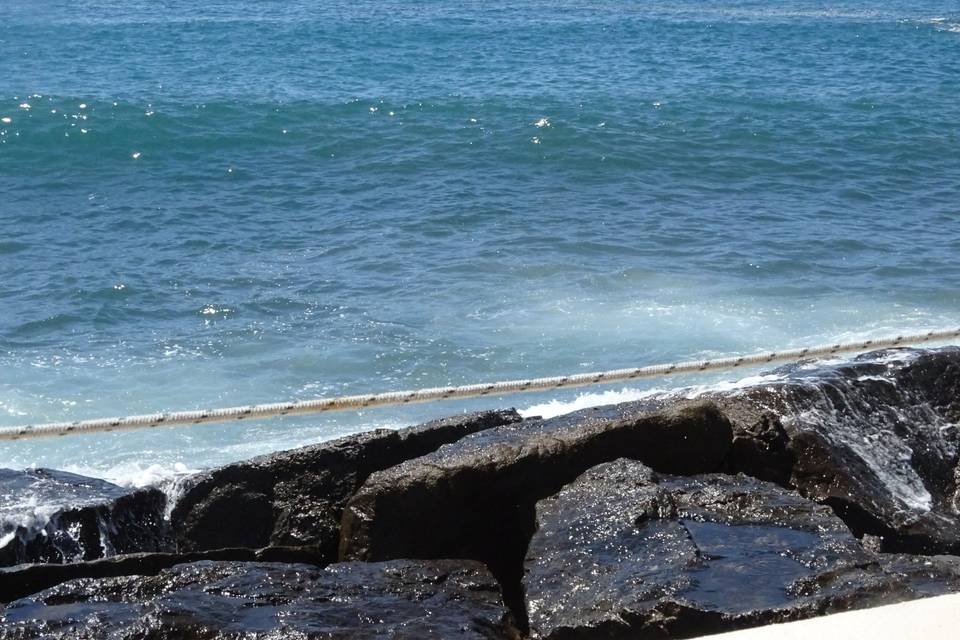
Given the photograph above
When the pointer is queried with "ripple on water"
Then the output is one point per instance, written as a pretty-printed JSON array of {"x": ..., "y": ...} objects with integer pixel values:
[{"x": 430, "y": 196}]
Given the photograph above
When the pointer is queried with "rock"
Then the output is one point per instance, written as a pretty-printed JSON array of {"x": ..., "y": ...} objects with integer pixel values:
[
  {"x": 238, "y": 601},
  {"x": 55, "y": 516},
  {"x": 475, "y": 498},
  {"x": 26, "y": 579},
  {"x": 875, "y": 438},
  {"x": 761, "y": 445},
  {"x": 927, "y": 575},
  {"x": 625, "y": 552},
  {"x": 297, "y": 497}
]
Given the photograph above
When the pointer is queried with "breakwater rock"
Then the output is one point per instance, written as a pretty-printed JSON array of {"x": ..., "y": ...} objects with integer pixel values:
[
  {"x": 237, "y": 601},
  {"x": 26, "y": 579},
  {"x": 55, "y": 516},
  {"x": 817, "y": 487},
  {"x": 876, "y": 438},
  {"x": 475, "y": 498},
  {"x": 624, "y": 552},
  {"x": 297, "y": 497}
]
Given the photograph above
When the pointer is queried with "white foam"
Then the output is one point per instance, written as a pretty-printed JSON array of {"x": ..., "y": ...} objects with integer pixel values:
[
  {"x": 732, "y": 387},
  {"x": 134, "y": 474},
  {"x": 6, "y": 539},
  {"x": 27, "y": 515},
  {"x": 890, "y": 358},
  {"x": 938, "y": 23},
  {"x": 10, "y": 409},
  {"x": 555, "y": 408},
  {"x": 875, "y": 379},
  {"x": 170, "y": 478}
]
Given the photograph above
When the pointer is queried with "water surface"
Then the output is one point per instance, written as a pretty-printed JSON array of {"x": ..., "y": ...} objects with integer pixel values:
[{"x": 216, "y": 203}]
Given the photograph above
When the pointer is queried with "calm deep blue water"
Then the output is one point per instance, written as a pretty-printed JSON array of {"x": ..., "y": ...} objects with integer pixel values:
[{"x": 215, "y": 203}]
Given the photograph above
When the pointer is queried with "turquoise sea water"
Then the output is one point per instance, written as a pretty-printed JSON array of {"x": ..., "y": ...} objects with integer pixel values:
[{"x": 215, "y": 203}]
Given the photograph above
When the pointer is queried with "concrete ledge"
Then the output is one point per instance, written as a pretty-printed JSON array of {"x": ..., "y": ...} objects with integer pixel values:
[{"x": 924, "y": 619}]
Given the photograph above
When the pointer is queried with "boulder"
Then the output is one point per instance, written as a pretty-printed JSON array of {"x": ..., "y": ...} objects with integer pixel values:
[
  {"x": 26, "y": 579},
  {"x": 55, "y": 516},
  {"x": 876, "y": 438},
  {"x": 258, "y": 601},
  {"x": 475, "y": 498},
  {"x": 626, "y": 552},
  {"x": 297, "y": 497}
]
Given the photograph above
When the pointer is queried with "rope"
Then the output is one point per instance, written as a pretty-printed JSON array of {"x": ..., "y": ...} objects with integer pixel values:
[{"x": 342, "y": 403}]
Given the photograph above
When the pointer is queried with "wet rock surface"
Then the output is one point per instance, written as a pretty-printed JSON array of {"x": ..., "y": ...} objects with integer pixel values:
[
  {"x": 233, "y": 600},
  {"x": 876, "y": 438},
  {"x": 475, "y": 498},
  {"x": 625, "y": 552},
  {"x": 24, "y": 580},
  {"x": 55, "y": 516},
  {"x": 297, "y": 497}
]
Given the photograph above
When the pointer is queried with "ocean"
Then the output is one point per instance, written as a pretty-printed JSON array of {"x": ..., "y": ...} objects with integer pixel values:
[{"x": 217, "y": 203}]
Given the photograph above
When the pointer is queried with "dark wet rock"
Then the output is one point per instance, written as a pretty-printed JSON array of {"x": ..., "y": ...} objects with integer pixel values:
[
  {"x": 297, "y": 497},
  {"x": 55, "y": 516},
  {"x": 26, "y": 579},
  {"x": 761, "y": 446},
  {"x": 927, "y": 575},
  {"x": 236, "y": 601},
  {"x": 876, "y": 438},
  {"x": 625, "y": 552},
  {"x": 475, "y": 498}
]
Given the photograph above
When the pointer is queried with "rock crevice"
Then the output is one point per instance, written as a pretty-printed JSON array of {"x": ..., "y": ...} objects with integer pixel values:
[{"x": 475, "y": 498}]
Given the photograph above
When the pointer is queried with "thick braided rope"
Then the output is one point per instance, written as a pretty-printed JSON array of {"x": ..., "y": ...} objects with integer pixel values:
[{"x": 467, "y": 391}]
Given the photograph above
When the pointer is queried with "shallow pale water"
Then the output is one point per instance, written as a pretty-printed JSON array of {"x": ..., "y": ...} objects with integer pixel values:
[{"x": 217, "y": 203}]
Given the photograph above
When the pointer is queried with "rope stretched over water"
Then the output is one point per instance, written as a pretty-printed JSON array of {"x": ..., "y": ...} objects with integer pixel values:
[{"x": 467, "y": 391}]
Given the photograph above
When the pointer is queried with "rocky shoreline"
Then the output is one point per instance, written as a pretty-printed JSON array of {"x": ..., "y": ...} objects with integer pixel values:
[{"x": 823, "y": 488}]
